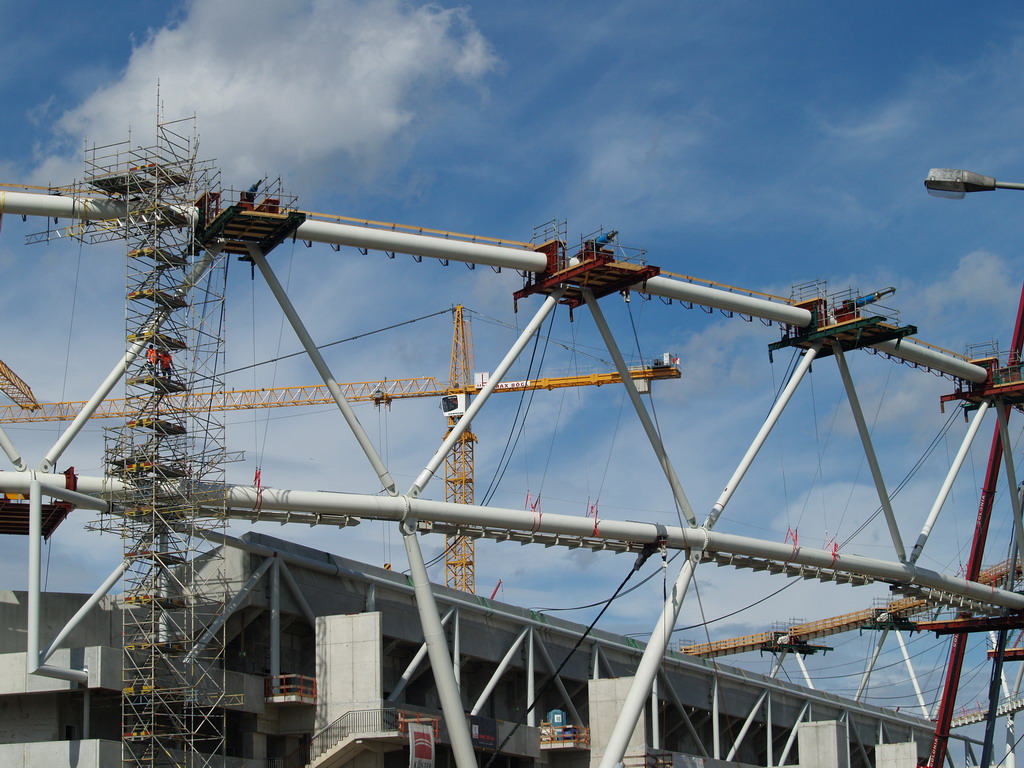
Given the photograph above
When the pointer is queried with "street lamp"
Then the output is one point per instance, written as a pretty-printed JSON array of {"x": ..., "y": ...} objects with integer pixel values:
[{"x": 954, "y": 183}]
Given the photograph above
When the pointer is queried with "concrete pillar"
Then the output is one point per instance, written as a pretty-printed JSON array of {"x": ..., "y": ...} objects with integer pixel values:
[
  {"x": 606, "y": 697},
  {"x": 254, "y": 746},
  {"x": 896, "y": 755},
  {"x": 348, "y": 665},
  {"x": 824, "y": 744}
]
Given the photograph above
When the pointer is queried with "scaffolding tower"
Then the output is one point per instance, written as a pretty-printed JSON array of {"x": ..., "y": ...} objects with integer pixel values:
[{"x": 169, "y": 460}]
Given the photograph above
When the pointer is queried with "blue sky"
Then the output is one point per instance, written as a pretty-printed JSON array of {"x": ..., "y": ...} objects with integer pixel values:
[{"x": 755, "y": 144}]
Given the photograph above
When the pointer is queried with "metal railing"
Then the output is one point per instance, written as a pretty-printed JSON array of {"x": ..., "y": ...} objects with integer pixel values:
[
  {"x": 290, "y": 685},
  {"x": 351, "y": 723}
]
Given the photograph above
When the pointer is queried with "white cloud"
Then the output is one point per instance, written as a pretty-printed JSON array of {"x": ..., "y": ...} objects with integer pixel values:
[
  {"x": 983, "y": 282},
  {"x": 319, "y": 88},
  {"x": 889, "y": 121}
]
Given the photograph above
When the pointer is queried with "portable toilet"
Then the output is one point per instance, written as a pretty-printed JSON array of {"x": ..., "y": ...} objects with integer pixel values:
[{"x": 557, "y": 718}]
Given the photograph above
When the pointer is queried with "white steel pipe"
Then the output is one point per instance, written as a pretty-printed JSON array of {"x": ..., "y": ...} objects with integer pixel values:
[
  {"x": 655, "y": 720},
  {"x": 550, "y": 302},
  {"x": 557, "y": 680},
  {"x": 803, "y": 668},
  {"x": 947, "y": 484},
  {"x": 762, "y": 434},
  {"x": 907, "y": 349},
  {"x": 912, "y": 673},
  {"x": 1011, "y": 479},
  {"x": 229, "y": 609},
  {"x": 152, "y": 325},
  {"x": 793, "y": 733},
  {"x": 275, "y": 621},
  {"x": 322, "y": 368},
  {"x": 665, "y": 683},
  {"x": 738, "y": 741},
  {"x": 437, "y": 650},
  {"x": 531, "y": 677},
  {"x": 90, "y": 407},
  {"x": 11, "y": 451},
  {"x": 765, "y": 695},
  {"x": 647, "y": 669},
  {"x": 35, "y": 540},
  {"x": 89, "y": 604},
  {"x": 869, "y": 452},
  {"x": 81, "y": 500},
  {"x": 414, "y": 665},
  {"x": 716, "y": 298},
  {"x": 421, "y": 245},
  {"x": 457, "y": 650},
  {"x": 502, "y": 667},
  {"x": 871, "y": 665},
  {"x": 641, "y": 411},
  {"x": 322, "y": 505},
  {"x": 61, "y": 206},
  {"x": 297, "y": 595},
  {"x": 716, "y": 731}
]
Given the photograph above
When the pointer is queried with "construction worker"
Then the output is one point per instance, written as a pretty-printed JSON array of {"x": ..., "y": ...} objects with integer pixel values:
[
  {"x": 151, "y": 360},
  {"x": 165, "y": 363},
  {"x": 248, "y": 197}
]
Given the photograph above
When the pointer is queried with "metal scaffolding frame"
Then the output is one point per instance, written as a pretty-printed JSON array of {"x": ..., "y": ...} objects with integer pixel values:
[{"x": 170, "y": 461}]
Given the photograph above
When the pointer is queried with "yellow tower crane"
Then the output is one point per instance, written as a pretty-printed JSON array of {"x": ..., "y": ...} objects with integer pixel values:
[
  {"x": 455, "y": 394},
  {"x": 459, "y": 472},
  {"x": 16, "y": 389}
]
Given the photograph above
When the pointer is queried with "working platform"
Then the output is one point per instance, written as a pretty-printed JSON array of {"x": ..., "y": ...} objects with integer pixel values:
[
  {"x": 14, "y": 516},
  {"x": 851, "y": 334},
  {"x": 161, "y": 257},
  {"x": 143, "y": 177},
  {"x": 594, "y": 267},
  {"x": 162, "y": 384},
  {"x": 160, "y": 426},
  {"x": 164, "y": 558},
  {"x": 1004, "y": 383},
  {"x": 1010, "y": 654},
  {"x": 159, "y": 340},
  {"x": 14, "y": 511},
  {"x": 263, "y": 225},
  {"x": 148, "y": 467},
  {"x": 164, "y": 299},
  {"x": 972, "y": 624}
]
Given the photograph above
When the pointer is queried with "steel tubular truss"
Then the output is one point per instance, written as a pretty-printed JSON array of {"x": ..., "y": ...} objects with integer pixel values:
[{"x": 153, "y": 469}]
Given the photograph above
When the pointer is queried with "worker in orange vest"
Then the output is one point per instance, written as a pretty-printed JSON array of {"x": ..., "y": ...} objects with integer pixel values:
[
  {"x": 165, "y": 363},
  {"x": 151, "y": 360}
]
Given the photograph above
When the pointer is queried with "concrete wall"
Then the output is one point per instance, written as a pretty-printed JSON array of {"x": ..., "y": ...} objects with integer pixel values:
[
  {"x": 103, "y": 663},
  {"x": 102, "y": 627},
  {"x": 94, "y": 753},
  {"x": 348, "y": 665}
]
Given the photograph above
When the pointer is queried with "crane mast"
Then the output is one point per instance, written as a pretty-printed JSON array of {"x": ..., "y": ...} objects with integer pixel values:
[{"x": 460, "y": 557}]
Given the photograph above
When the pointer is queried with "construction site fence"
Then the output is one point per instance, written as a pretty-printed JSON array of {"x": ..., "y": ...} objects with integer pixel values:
[{"x": 387, "y": 720}]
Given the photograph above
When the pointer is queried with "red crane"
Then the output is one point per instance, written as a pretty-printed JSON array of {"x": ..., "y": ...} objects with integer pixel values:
[{"x": 937, "y": 756}]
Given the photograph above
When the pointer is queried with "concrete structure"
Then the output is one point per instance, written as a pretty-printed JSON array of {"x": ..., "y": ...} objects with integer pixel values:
[{"x": 354, "y": 630}]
